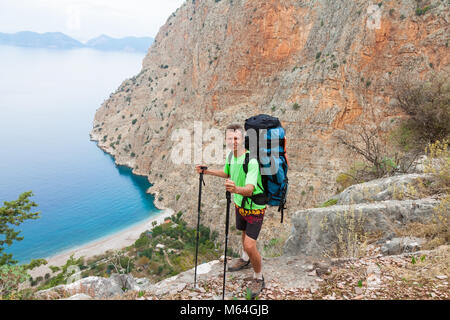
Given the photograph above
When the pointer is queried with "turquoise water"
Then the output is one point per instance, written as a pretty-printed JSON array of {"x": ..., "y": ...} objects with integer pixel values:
[{"x": 48, "y": 99}]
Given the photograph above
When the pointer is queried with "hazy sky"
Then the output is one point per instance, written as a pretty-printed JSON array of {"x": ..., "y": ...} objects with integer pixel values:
[{"x": 86, "y": 19}]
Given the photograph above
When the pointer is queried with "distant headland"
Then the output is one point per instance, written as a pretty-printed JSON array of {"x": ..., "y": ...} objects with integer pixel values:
[{"x": 58, "y": 40}]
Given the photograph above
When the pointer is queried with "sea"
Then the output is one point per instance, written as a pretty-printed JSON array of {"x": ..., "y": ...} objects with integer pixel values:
[{"x": 48, "y": 100}]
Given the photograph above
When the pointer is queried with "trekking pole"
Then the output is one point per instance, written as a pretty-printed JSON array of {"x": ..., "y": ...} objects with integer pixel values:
[
  {"x": 227, "y": 223},
  {"x": 198, "y": 220}
]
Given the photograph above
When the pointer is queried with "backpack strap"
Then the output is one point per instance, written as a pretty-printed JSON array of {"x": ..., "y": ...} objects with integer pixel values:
[
  {"x": 230, "y": 155},
  {"x": 246, "y": 161},
  {"x": 245, "y": 167},
  {"x": 245, "y": 199},
  {"x": 283, "y": 199}
]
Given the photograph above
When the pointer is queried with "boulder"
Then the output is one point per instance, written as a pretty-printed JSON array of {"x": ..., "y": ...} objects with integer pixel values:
[
  {"x": 125, "y": 281},
  {"x": 316, "y": 231},
  {"x": 79, "y": 296},
  {"x": 380, "y": 189},
  {"x": 401, "y": 245},
  {"x": 97, "y": 287}
]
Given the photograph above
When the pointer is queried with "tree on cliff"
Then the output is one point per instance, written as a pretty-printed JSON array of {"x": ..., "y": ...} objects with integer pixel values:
[
  {"x": 13, "y": 213},
  {"x": 427, "y": 103}
]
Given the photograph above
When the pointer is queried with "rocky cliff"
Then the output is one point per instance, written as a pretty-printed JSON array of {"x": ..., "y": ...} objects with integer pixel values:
[{"x": 318, "y": 65}]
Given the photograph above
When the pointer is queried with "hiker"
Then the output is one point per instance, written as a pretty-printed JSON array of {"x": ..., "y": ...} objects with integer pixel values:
[{"x": 249, "y": 216}]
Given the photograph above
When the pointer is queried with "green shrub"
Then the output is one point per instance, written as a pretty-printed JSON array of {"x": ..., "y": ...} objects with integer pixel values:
[
  {"x": 328, "y": 203},
  {"x": 344, "y": 180},
  {"x": 350, "y": 177},
  {"x": 146, "y": 253},
  {"x": 10, "y": 279},
  {"x": 422, "y": 11},
  {"x": 404, "y": 137},
  {"x": 143, "y": 241},
  {"x": 160, "y": 269},
  {"x": 64, "y": 273},
  {"x": 273, "y": 248}
]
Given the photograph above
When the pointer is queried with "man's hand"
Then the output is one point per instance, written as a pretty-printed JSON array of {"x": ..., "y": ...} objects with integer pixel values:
[
  {"x": 230, "y": 186},
  {"x": 246, "y": 191},
  {"x": 212, "y": 172},
  {"x": 199, "y": 168}
]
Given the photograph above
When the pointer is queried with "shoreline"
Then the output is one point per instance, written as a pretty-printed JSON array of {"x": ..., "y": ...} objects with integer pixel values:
[{"x": 115, "y": 241}]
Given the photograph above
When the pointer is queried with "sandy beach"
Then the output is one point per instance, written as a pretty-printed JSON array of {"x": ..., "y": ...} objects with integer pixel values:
[{"x": 114, "y": 241}]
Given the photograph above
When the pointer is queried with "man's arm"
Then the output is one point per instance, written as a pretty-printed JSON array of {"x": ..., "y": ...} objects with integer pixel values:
[
  {"x": 246, "y": 191},
  {"x": 212, "y": 172},
  {"x": 217, "y": 173}
]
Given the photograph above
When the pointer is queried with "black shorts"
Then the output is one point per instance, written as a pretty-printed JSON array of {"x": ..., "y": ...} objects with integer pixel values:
[{"x": 249, "y": 222}]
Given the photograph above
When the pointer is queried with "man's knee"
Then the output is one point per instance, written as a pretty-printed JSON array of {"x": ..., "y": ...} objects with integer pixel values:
[{"x": 249, "y": 244}]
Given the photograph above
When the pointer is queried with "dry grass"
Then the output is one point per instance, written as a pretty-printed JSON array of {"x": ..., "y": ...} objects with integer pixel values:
[
  {"x": 438, "y": 164},
  {"x": 423, "y": 268},
  {"x": 437, "y": 231},
  {"x": 351, "y": 239}
]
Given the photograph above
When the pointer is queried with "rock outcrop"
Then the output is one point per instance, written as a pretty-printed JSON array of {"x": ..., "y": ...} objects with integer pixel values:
[
  {"x": 400, "y": 245},
  {"x": 394, "y": 187},
  {"x": 95, "y": 287},
  {"x": 288, "y": 273},
  {"x": 319, "y": 65},
  {"x": 302, "y": 278},
  {"x": 362, "y": 209}
]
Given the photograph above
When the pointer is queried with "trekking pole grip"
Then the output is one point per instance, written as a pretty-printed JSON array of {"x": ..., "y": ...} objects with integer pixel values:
[{"x": 204, "y": 168}]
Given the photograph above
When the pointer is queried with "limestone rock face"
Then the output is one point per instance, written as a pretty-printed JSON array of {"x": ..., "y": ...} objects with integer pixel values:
[
  {"x": 318, "y": 65},
  {"x": 400, "y": 245},
  {"x": 394, "y": 187},
  {"x": 95, "y": 288},
  {"x": 316, "y": 231},
  {"x": 79, "y": 296}
]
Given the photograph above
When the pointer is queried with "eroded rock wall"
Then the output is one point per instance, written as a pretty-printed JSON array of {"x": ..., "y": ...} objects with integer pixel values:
[{"x": 318, "y": 65}]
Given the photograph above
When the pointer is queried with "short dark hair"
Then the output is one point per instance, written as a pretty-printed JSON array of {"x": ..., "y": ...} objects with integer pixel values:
[{"x": 235, "y": 127}]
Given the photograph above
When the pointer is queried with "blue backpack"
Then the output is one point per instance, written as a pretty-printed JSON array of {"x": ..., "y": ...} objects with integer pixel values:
[{"x": 265, "y": 139}]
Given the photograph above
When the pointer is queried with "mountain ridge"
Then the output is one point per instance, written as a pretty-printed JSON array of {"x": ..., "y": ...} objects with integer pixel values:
[{"x": 59, "y": 40}]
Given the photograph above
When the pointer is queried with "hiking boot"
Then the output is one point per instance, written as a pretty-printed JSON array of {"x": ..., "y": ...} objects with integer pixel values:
[
  {"x": 238, "y": 264},
  {"x": 255, "y": 287}
]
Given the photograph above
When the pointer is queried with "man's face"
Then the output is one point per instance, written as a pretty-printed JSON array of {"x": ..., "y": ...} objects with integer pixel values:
[{"x": 234, "y": 139}]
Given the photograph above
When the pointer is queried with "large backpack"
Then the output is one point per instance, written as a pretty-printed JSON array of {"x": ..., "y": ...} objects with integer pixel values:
[{"x": 265, "y": 139}]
